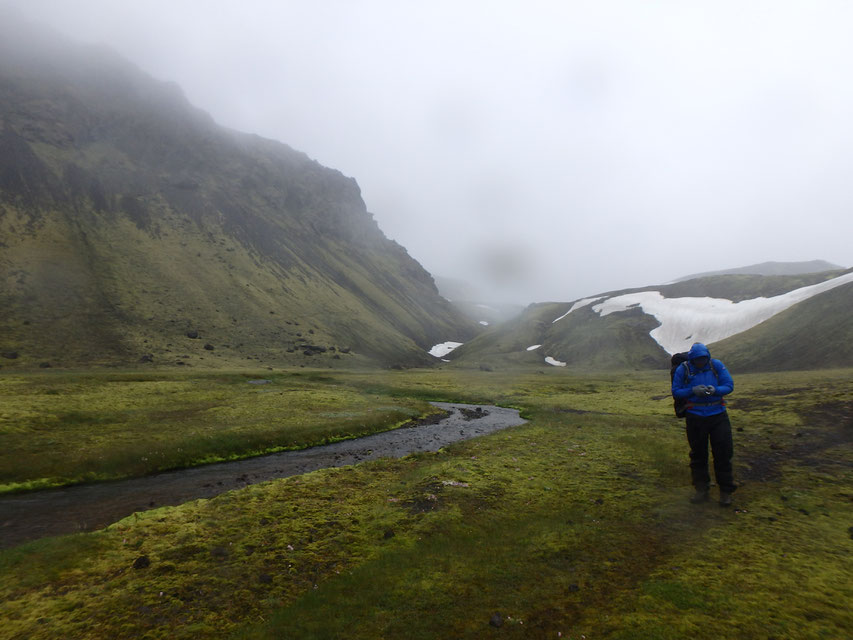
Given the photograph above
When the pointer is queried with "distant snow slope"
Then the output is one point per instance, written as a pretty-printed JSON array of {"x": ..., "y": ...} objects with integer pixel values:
[
  {"x": 441, "y": 350},
  {"x": 684, "y": 321},
  {"x": 578, "y": 305}
]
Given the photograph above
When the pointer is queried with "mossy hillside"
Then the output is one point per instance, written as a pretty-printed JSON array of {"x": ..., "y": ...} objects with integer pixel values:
[
  {"x": 68, "y": 428},
  {"x": 93, "y": 304},
  {"x": 508, "y": 342},
  {"x": 815, "y": 334},
  {"x": 575, "y": 524},
  {"x": 583, "y": 340},
  {"x": 128, "y": 217},
  {"x": 738, "y": 287}
]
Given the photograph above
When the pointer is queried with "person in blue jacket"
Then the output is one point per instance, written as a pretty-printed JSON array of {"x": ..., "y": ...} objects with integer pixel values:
[{"x": 704, "y": 382}]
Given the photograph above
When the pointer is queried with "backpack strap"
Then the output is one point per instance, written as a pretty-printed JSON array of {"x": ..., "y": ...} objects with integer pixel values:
[{"x": 686, "y": 364}]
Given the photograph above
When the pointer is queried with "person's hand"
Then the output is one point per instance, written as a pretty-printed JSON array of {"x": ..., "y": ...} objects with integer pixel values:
[
  {"x": 699, "y": 390},
  {"x": 710, "y": 390}
]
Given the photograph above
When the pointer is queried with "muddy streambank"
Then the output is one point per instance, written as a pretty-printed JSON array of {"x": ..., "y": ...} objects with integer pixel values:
[{"x": 89, "y": 507}]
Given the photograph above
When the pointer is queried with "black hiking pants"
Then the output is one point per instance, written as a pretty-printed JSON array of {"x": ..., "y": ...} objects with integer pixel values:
[{"x": 717, "y": 430}]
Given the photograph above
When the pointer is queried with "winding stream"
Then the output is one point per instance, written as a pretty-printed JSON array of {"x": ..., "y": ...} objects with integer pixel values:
[{"x": 89, "y": 507}]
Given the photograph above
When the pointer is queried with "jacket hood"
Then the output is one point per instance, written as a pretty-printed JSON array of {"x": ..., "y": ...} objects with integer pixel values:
[{"x": 697, "y": 351}]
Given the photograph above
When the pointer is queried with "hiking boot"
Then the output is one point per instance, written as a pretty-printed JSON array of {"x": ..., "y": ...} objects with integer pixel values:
[
  {"x": 701, "y": 495},
  {"x": 725, "y": 499}
]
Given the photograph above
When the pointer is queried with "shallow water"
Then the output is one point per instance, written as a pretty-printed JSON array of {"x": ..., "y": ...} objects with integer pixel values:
[{"x": 88, "y": 507}]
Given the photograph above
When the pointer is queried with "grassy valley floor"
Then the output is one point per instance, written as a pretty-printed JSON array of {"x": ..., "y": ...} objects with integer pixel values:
[{"x": 575, "y": 525}]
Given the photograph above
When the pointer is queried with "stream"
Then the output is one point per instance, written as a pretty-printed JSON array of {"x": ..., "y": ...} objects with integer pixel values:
[{"x": 88, "y": 507}]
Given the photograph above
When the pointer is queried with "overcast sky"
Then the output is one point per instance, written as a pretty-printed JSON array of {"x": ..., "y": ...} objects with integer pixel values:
[{"x": 541, "y": 150}]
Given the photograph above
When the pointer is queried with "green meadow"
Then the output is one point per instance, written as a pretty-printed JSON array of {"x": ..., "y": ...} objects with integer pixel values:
[
  {"x": 69, "y": 428},
  {"x": 574, "y": 525}
]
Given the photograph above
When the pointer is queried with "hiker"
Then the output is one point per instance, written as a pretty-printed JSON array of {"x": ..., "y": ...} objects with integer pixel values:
[{"x": 703, "y": 382}]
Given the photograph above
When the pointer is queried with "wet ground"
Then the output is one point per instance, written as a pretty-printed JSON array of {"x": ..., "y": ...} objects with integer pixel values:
[{"x": 89, "y": 507}]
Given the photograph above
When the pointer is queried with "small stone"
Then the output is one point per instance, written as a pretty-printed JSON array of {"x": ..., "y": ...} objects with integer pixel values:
[
  {"x": 389, "y": 533},
  {"x": 10, "y": 355},
  {"x": 496, "y": 620},
  {"x": 44, "y": 365},
  {"x": 142, "y": 562},
  {"x": 192, "y": 335}
]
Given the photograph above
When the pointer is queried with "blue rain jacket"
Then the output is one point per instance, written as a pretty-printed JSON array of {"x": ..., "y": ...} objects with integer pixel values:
[{"x": 688, "y": 376}]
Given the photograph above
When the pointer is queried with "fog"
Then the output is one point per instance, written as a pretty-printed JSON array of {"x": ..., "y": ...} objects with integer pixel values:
[{"x": 538, "y": 150}]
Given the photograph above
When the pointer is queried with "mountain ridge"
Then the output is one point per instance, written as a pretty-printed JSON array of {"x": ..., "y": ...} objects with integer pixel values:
[
  {"x": 622, "y": 329},
  {"x": 129, "y": 219},
  {"x": 771, "y": 269}
]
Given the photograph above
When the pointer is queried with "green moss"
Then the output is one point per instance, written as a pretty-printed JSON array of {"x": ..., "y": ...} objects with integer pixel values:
[
  {"x": 575, "y": 524},
  {"x": 60, "y": 429}
]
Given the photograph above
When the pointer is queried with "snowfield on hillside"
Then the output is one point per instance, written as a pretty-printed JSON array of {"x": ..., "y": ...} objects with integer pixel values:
[
  {"x": 578, "y": 305},
  {"x": 441, "y": 350},
  {"x": 684, "y": 321}
]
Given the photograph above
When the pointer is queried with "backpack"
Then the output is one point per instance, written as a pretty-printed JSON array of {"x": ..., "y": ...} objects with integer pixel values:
[{"x": 680, "y": 405}]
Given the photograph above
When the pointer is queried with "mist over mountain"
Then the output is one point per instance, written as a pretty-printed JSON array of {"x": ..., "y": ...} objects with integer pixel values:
[
  {"x": 133, "y": 227},
  {"x": 771, "y": 269}
]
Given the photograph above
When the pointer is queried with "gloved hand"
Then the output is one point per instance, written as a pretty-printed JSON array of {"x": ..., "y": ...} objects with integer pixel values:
[
  {"x": 699, "y": 390},
  {"x": 710, "y": 389}
]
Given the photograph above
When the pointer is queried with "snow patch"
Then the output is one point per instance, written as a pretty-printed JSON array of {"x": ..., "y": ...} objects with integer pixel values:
[
  {"x": 554, "y": 362},
  {"x": 578, "y": 305},
  {"x": 441, "y": 350},
  {"x": 684, "y": 321},
  {"x": 534, "y": 347},
  {"x": 484, "y": 323}
]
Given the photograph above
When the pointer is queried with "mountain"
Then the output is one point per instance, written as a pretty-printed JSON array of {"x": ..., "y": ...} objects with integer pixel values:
[
  {"x": 132, "y": 226},
  {"x": 814, "y": 334},
  {"x": 757, "y": 322},
  {"x": 772, "y": 269}
]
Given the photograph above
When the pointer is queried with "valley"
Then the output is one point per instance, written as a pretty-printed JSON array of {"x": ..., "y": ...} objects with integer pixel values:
[
  {"x": 223, "y": 390},
  {"x": 573, "y": 523}
]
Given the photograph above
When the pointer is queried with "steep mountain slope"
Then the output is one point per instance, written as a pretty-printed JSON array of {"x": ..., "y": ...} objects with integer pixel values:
[
  {"x": 130, "y": 221},
  {"x": 815, "y": 334},
  {"x": 639, "y": 328}
]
